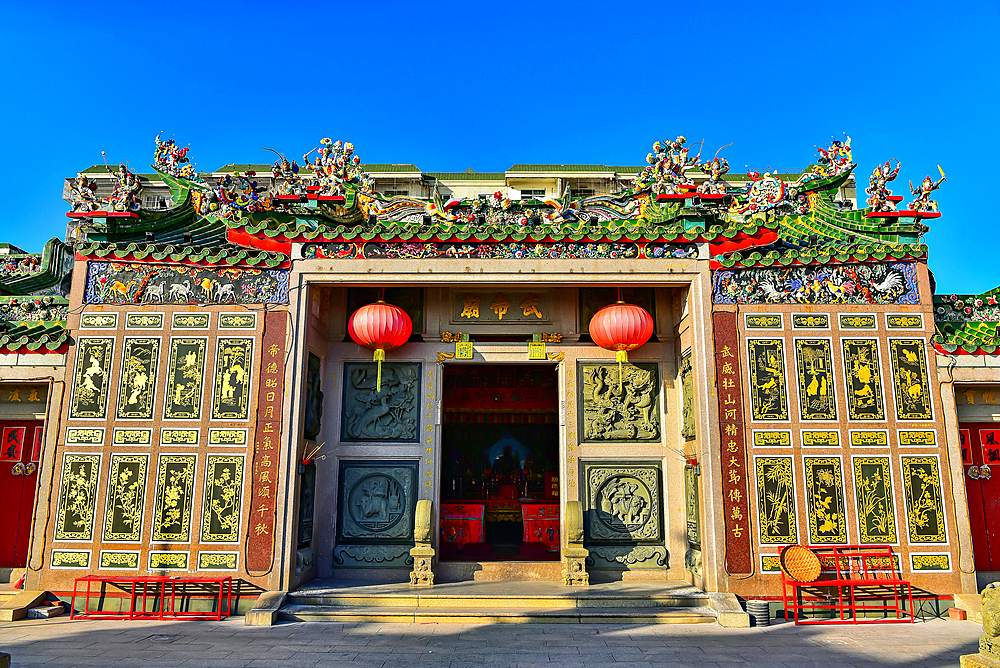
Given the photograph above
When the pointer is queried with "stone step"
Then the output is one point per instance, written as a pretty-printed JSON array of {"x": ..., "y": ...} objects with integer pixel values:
[
  {"x": 536, "y": 602},
  {"x": 45, "y": 611},
  {"x": 498, "y": 615}
]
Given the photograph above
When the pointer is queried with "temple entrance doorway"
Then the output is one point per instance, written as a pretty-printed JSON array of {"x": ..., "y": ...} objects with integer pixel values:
[{"x": 500, "y": 463}]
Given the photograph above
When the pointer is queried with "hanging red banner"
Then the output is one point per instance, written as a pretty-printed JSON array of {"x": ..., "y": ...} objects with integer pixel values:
[
  {"x": 733, "y": 458},
  {"x": 264, "y": 490}
]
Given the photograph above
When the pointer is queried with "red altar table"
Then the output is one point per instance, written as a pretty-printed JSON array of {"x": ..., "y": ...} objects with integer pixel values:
[
  {"x": 462, "y": 523},
  {"x": 541, "y": 524}
]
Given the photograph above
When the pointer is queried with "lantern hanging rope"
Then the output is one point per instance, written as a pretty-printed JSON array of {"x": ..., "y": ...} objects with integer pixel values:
[
  {"x": 380, "y": 327},
  {"x": 621, "y": 327}
]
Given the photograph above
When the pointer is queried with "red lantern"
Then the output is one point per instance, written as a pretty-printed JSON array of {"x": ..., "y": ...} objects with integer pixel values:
[
  {"x": 380, "y": 327},
  {"x": 621, "y": 327}
]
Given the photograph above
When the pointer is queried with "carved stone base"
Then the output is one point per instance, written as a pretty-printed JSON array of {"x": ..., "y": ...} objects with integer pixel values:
[
  {"x": 574, "y": 567},
  {"x": 422, "y": 574}
]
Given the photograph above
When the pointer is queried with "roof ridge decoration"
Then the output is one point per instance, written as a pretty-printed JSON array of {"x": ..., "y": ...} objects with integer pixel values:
[
  {"x": 967, "y": 324},
  {"x": 36, "y": 273},
  {"x": 33, "y": 324},
  {"x": 677, "y": 196},
  {"x": 234, "y": 256}
]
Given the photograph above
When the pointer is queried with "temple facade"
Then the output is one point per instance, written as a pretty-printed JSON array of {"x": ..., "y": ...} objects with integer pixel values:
[{"x": 187, "y": 386}]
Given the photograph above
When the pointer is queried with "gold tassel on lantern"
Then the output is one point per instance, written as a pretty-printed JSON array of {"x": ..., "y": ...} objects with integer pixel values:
[
  {"x": 621, "y": 356},
  {"x": 379, "y": 357}
]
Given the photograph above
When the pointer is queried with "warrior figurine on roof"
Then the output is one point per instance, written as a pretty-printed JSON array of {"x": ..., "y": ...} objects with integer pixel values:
[
  {"x": 878, "y": 191},
  {"x": 171, "y": 159},
  {"x": 84, "y": 193},
  {"x": 923, "y": 201},
  {"x": 715, "y": 168},
  {"x": 337, "y": 166},
  {"x": 286, "y": 175},
  {"x": 127, "y": 187},
  {"x": 836, "y": 158},
  {"x": 667, "y": 163}
]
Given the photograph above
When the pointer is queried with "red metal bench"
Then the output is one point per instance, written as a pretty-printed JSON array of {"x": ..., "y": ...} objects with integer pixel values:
[
  {"x": 862, "y": 578},
  {"x": 168, "y": 588}
]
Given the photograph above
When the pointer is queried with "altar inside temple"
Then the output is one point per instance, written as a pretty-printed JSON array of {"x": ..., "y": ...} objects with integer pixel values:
[{"x": 500, "y": 482}]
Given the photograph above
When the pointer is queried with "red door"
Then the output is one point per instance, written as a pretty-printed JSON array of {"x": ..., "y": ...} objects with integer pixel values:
[
  {"x": 20, "y": 451},
  {"x": 981, "y": 465}
]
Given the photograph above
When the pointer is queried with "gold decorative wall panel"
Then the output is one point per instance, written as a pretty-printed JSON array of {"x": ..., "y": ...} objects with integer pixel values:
[
  {"x": 137, "y": 385},
  {"x": 91, "y": 378},
  {"x": 233, "y": 364},
  {"x": 873, "y": 493},
  {"x": 776, "y": 500},
  {"x": 909, "y": 379},
  {"x": 77, "y": 497},
  {"x": 220, "y": 515},
  {"x": 825, "y": 496},
  {"x": 768, "y": 394},
  {"x": 185, "y": 376},
  {"x": 817, "y": 399},
  {"x": 864, "y": 380},
  {"x": 126, "y": 498},
  {"x": 174, "y": 495},
  {"x": 924, "y": 507}
]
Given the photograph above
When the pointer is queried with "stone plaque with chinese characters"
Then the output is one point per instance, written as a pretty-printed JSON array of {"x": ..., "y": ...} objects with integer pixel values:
[
  {"x": 499, "y": 306},
  {"x": 267, "y": 446},
  {"x": 735, "y": 477}
]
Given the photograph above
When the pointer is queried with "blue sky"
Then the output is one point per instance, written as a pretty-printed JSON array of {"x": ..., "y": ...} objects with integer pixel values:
[{"x": 451, "y": 85}]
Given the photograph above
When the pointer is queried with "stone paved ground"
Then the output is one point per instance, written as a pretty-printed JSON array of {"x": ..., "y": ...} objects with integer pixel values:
[{"x": 230, "y": 644}]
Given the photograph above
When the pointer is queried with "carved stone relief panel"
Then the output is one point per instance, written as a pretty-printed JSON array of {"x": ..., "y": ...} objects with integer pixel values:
[
  {"x": 389, "y": 415},
  {"x": 688, "y": 431},
  {"x": 376, "y": 502},
  {"x": 620, "y": 409},
  {"x": 623, "y": 503}
]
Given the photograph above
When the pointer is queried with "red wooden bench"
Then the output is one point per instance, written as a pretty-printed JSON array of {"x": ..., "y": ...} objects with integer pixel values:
[
  {"x": 168, "y": 588},
  {"x": 854, "y": 580}
]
